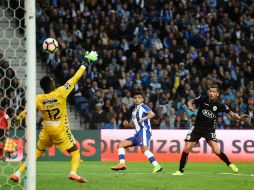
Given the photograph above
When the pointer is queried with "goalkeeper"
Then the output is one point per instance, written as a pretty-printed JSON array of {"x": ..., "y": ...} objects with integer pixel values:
[{"x": 56, "y": 130}]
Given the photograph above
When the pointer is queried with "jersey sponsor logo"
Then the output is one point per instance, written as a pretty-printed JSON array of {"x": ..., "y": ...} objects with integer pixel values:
[
  {"x": 67, "y": 86},
  {"x": 49, "y": 101},
  {"x": 208, "y": 113},
  {"x": 215, "y": 108}
]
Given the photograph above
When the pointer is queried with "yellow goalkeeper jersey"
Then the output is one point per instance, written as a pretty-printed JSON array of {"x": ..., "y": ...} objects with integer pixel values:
[{"x": 53, "y": 106}]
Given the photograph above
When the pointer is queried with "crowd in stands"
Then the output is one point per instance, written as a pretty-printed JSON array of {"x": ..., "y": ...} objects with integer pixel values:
[
  {"x": 171, "y": 50},
  {"x": 12, "y": 95}
]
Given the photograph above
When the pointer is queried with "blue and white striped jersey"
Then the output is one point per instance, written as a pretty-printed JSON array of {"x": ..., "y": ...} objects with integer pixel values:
[{"x": 139, "y": 112}]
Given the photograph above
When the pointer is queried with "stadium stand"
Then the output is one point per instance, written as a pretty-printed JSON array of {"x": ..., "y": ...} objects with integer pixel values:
[{"x": 171, "y": 50}]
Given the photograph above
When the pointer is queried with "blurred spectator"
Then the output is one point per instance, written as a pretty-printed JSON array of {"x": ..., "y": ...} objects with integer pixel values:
[
  {"x": 220, "y": 123},
  {"x": 165, "y": 123},
  {"x": 165, "y": 46},
  {"x": 98, "y": 117},
  {"x": 128, "y": 100},
  {"x": 112, "y": 124},
  {"x": 250, "y": 111},
  {"x": 125, "y": 125},
  {"x": 156, "y": 121}
]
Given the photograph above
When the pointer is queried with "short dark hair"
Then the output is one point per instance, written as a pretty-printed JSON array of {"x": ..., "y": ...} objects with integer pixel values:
[
  {"x": 215, "y": 85},
  {"x": 45, "y": 83},
  {"x": 138, "y": 93}
]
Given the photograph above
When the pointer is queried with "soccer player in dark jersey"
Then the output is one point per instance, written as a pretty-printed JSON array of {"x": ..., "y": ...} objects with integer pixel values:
[{"x": 204, "y": 126}]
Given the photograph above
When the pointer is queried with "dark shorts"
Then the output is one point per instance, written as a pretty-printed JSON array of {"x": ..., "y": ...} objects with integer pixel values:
[
  {"x": 2, "y": 134},
  {"x": 195, "y": 134}
]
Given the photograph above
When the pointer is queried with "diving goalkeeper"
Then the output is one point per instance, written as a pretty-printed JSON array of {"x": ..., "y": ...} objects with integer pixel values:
[{"x": 56, "y": 130}]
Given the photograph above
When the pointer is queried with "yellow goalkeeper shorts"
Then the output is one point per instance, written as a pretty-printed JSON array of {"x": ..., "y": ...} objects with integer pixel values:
[{"x": 63, "y": 141}]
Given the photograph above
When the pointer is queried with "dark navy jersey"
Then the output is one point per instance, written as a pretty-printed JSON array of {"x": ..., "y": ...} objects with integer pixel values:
[{"x": 207, "y": 112}]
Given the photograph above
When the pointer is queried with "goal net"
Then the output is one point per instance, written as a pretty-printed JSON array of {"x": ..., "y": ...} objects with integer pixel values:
[{"x": 13, "y": 89}]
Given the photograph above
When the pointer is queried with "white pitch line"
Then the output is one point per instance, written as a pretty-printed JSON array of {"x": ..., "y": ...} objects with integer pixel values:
[
  {"x": 237, "y": 174},
  {"x": 222, "y": 173},
  {"x": 163, "y": 173}
]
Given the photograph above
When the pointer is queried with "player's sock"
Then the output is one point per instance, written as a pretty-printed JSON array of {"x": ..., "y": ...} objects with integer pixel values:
[
  {"x": 22, "y": 168},
  {"x": 75, "y": 161},
  {"x": 121, "y": 155},
  {"x": 150, "y": 157},
  {"x": 39, "y": 153},
  {"x": 73, "y": 173},
  {"x": 224, "y": 158},
  {"x": 183, "y": 161},
  {"x": 18, "y": 174}
]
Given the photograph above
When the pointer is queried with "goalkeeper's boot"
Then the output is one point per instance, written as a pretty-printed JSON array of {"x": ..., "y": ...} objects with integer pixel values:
[
  {"x": 177, "y": 173},
  {"x": 77, "y": 178},
  {"x": 234, "y": 167},
  {"x": 15, "y": 178},
  {"x": 156, "y": 169},
  {"x": 119, "y": 167}
]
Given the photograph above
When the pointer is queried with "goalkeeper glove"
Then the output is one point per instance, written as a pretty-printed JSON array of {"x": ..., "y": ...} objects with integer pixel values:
[{"x": 89, "y": 57}]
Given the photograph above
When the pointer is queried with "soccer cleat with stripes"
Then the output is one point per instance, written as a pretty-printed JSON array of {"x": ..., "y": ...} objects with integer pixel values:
[
  {"x": 77, "y": 178},
  {"x": 14, "y": 178},
  {"x": 234, "y": 167},
  {"x": 177, "y": 173},
  {"x": 119, "y": 167},
  {"x": 156, "y": 169}
]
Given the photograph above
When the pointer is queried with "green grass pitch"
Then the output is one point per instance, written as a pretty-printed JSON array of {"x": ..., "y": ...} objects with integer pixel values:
[{"x": 198, "y": 176}]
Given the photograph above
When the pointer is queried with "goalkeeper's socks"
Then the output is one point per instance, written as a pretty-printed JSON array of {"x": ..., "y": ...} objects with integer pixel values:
[
  {"x": 75, "y": 160},
  {"x": 73, "y": 173},
  {"x": 22, "y": 168},
  {"x": 18, "y": 174},
  {"x": 183, "y": 161},
  {"x": 224, "y": 158},
  {"x": 150, "y": 157},
  {"x": 121, "y": 155}
]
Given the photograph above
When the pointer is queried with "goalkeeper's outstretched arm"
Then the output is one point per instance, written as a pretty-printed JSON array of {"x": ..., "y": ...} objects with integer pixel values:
[{"x": 66, "y": 89}]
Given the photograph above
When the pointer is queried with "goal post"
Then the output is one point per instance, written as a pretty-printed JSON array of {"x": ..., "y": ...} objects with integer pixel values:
[{"x": 30, "y": 32}]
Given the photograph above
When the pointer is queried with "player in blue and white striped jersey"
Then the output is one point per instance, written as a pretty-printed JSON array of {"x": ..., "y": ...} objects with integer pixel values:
[{"x": 141, "y": 116}]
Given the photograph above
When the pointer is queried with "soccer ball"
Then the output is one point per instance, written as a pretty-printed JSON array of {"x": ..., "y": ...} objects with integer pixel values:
[{"x": 50, "y": 45}]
